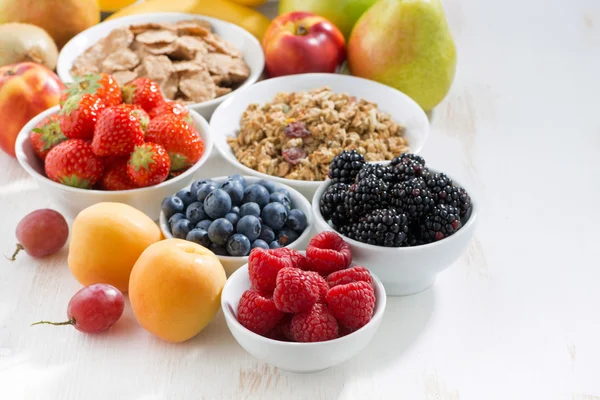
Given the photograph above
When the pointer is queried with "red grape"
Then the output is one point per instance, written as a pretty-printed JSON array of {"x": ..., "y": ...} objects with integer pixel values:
[
  {"x": 41, "y": 233},
  {"x": 94, "y": 308}
]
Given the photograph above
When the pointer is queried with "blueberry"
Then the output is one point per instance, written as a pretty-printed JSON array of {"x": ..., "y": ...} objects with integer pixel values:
[
  {"x": 250, "y": 227},
  {"x": 219, "y": 231},
  {"x": 250, "y": 209},
  {"x": 199, "y": 236},
  {"x": 182, "y": 228},
  {"x": 196, "y": 185},
  {"x": 287, "y": 236},
  {"x": 274, "y": 245},
  {"x": 195, "y": 212},
  {"x": 205, "y": 189},
  {"x": 238, "y": 245},
  {"x": 284, "y": 191},
  {"x": 235, "y": 210},
  {"x": 278, "y": 197},
  {"x": 297, "y": 220},
  {"x": 270, "y": 186},
  {"x": 204, "y": 224},
  {"x": 256, "y": 194},
  {"x": 186, "y": 197},
  {"x": 218, "y": 250},
  {"x": 174, "y": 218},
  {"x": 239, "y": 178},
  {"x": 267, "y": 234},
  {"x": 260, "y": 243},
  {"x": 274, "y": 215},
  {"x": 171, "y": 205},
  {"x": 235, "y": 190},
  {"x": 233, "y": 218},
  {"x": 217, "y": 203}
]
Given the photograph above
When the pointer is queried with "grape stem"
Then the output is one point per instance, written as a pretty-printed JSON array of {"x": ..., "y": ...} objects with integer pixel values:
[
  {"x": 69, "y": 322},
  {"x": 19, "y": 248}
]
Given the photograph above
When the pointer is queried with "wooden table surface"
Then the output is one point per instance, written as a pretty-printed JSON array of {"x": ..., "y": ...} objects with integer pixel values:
[{"x": 516, "y": 318}]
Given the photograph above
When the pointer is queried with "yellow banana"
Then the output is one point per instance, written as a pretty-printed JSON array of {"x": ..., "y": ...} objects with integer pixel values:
[
  {"x": 250, "y": 3},
  {"x": 249, "y": 19},
  {"x": 113, "y": 5}
]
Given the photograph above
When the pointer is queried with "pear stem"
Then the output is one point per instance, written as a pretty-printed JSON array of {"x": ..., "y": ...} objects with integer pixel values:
[
  {"x": 69, "y": 322},
  {"x": 19, "y": 248}
]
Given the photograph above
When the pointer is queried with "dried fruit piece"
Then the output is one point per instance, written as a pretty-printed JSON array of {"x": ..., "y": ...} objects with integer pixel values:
[
  {"x": 294, "y": 155},
  {"x": 296, "y": 129}
]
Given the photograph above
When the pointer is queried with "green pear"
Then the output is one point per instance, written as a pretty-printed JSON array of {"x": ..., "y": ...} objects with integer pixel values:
[{"x": 405, "y": 44}]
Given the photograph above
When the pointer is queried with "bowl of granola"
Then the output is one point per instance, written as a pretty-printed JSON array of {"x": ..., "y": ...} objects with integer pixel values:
[
  {"x": 288, "y": 129},
  {"x": 199, "y": 61}
]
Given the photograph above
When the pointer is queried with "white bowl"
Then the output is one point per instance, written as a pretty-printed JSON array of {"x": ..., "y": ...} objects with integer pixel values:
[
  {"x": 403, "y": 110},
  {"x": 231, "y": 264},
  {"x": 239, "y": 37},
  {"x": 297, "y": 357},
  {"x": 406, "y": 270},
  {"x": 72, "y": 200}
]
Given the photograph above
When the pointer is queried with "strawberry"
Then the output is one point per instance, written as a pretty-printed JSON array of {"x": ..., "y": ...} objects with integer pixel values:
[
  {"x": 73, "y": 163},
  {"x": 46, "y": 135},
  {"x": 171, "y": 107},
  {"x": 79, "y": 114},
  {"x": 148, "y": 164},
  {"x": 102, "y": 85},
  {"x": 115, "y": 175},
  {"x": 143, "y": 92},
  {"x": 180, "y": 139},
  {"x": 119, "y": 129}
]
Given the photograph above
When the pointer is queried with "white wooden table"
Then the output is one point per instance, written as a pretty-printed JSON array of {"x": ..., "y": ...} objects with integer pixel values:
[{"x": 516, "y": 318}]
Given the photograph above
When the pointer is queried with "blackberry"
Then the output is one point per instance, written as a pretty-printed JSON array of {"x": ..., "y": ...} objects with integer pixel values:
[
  {"x": 408, "y": 169},
  {"x": 332, "y": 204},
  {"x": 377, "y": 170},
  {"x": 369, "y": 194},
  {"x": 411, "y": 197},
  {"x": 441, "y": 222},
  {"x": 460, "y": 199},
  {"x": 444, "y": 191},
  {"x": 405, "y": 157},
  {"x": 345, "y": 166},
  {"x": 381, "y": 228}
]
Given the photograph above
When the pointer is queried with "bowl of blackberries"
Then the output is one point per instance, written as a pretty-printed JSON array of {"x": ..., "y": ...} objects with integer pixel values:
[
  {"x": 404, "y": 219},
  {"x": 231, "y": 215}
]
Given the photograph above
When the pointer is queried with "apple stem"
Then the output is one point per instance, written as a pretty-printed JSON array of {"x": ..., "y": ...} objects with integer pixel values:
[
  {"x": 19, "y": 248},
  {"x": 69, "y": 322},
  {"x": 301, "y": 30}
]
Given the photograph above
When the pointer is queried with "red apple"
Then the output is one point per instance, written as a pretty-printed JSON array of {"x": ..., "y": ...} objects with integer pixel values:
[
  {"x": 301, "y": 42},
  {"x": 26, "y": 89}
]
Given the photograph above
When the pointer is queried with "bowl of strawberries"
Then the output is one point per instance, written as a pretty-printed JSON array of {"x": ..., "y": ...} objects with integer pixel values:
[
  {"x": 107, "y": 143},
  {"x": 304, "y": 311}
]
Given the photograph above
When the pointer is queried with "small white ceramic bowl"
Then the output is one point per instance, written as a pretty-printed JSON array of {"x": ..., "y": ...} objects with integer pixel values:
[
  {"x": 72, "y": 200},
  {"x": 226, "y": 119},
  {"x": 239, "y": 37},
  {"x": 406, "y": 270},
  {"x": 297, "y": 357},
  {"x": 231, "y": 264}
]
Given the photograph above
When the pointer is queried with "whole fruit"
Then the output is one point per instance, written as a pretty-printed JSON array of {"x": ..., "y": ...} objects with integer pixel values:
[
  {"x": 79, "y": 114},
  {"x": 102, "y": 85},
  {"x": 73, "y": 163},
  {"x": 144, "y": 93},
  {"x": 301, "y": 42},
  {"x": 41, "y": 233},
  {"x": 26, "y": 89},
  {"x": 107, "y": 240},
  {"x": 148, "y": 164},
  {"x": 46, "y": 135},
  {"x": 175, "y": 289},
  {"x": 119, "y": 129}
]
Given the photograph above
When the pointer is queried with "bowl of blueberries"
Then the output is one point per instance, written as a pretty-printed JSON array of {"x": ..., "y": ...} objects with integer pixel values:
[{"x": 231, "y": 215}]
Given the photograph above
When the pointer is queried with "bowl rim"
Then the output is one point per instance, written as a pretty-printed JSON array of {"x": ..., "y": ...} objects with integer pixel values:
[
  {"x": 65, "y": 75},
  {"x": 163, "y": 222},
  {"x": 466, "y": 228},
  {"x": 298, "y": 77},
  {"x": 380, "y": 306},
  {"x": 199, "y": 122}
]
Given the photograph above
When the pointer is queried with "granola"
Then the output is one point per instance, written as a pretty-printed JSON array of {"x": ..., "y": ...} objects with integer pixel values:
[{"x": 297, "y": 134}]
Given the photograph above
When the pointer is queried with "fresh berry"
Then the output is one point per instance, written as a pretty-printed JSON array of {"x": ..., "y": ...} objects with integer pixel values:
[
  {"x": 218, "y": 249},
  {"x": 180, "y": 139},
  {"x": 73, "y": 163},
  {"x": 219, "y": 231},
  {"x": 282, "y": 330},
  {"x": 46, "y": 135},
  {"x": 261, "y": 244},
  {"x": 258, "y": 313},
  {"x": 278, "y": 197},
  {"x": 267, "y": 234},
  {"x": 283, "y": 191},
  {"x": 235, "y": 190},
  {"x": 381, "y": 228},
  {"x": 274, "y": 245},
  {"x": 459, "y": 198},
  {"x": 321, "y": 284},
  {"x": 239, "y": 178},
  {"x": 287, "y": 236},
  {"x": 345, "y": 166},
  {"x": 274, "y": 215},
  {"x": 250, "y": 227},
  {"x": 407, "y": 170},
  {"x": 328, "y": 253},
  {"x": 250, "y": 208},
  {"x": 148, "y": 164},
  {"x": 238, "y": 245},
  {"x": 256, "y": 194},
  {"x": 235, "y": 210},
  {"x": 204, "y": 189},
  {"x": 102, "y": 85},
  {"x": 269, "y": 185},
  {"x": 115, "y": 176},
  {"x": 195, "y": 186},
  {"x": 195, "y": 212},
  {"x": 296, "y": 220},
  {"x": 79, "y": 115},
  {"x": 217, "y": 204},
  {"x": 354, "y": 274},
  {"x": 174, "y": 218},
  {"x": 186, "y": 196},
  {"x": 375, "y": 170},
  {"x": 411, "y": 198},
  {"x": 352, "y": 304},
  {"x": 441, "y": 222},
  {"x": 199, "y": 236},
  {"x": 118, "y": 130},
  {"x": 181, "y": 228},
  {"x": 407, "y": 157},
  {"x": 41, "y": 233},
  {"x": 204, "y": 224},
  {"x": 295, "y": 290},
  {"x": 296, "y": 129},
  {"x": 144, "y": 93},
  {"x": 172, "y": 205},
  {"x": 333, "y": 205},
  {"x": 298, "y": 259},
  {"x": 170, "y": 107},
  {"x": 233, "y": 218},
  {"x": 263, "y": 266},
  {"x": 369, "y": 194},
  {"x": 315, "y": 325}
]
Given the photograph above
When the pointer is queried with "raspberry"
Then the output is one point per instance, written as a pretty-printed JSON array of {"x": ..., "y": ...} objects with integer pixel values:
[
  {"x": 352, "y": 303},
  {"x": 327, "y": 252},
  {"x": 295, "y": 291},
  {"x": 315, "y": 325},
  {"x": 354, "y": 274},
  {"x": 282, "y": 330},
  {"x": 263, "y": 266},
  {"x": 258, "y": 313},
  {"x": 297, "y": 258},
  {"x": 321, "y": 285}
]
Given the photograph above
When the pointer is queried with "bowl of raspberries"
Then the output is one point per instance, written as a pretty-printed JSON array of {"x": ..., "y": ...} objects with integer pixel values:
[
  {"x": 112, "y": 143},
  {"x": 304, "y": 311},
  {"x": 404, "y": 219},
  {"x": 231, "y": 215}
]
